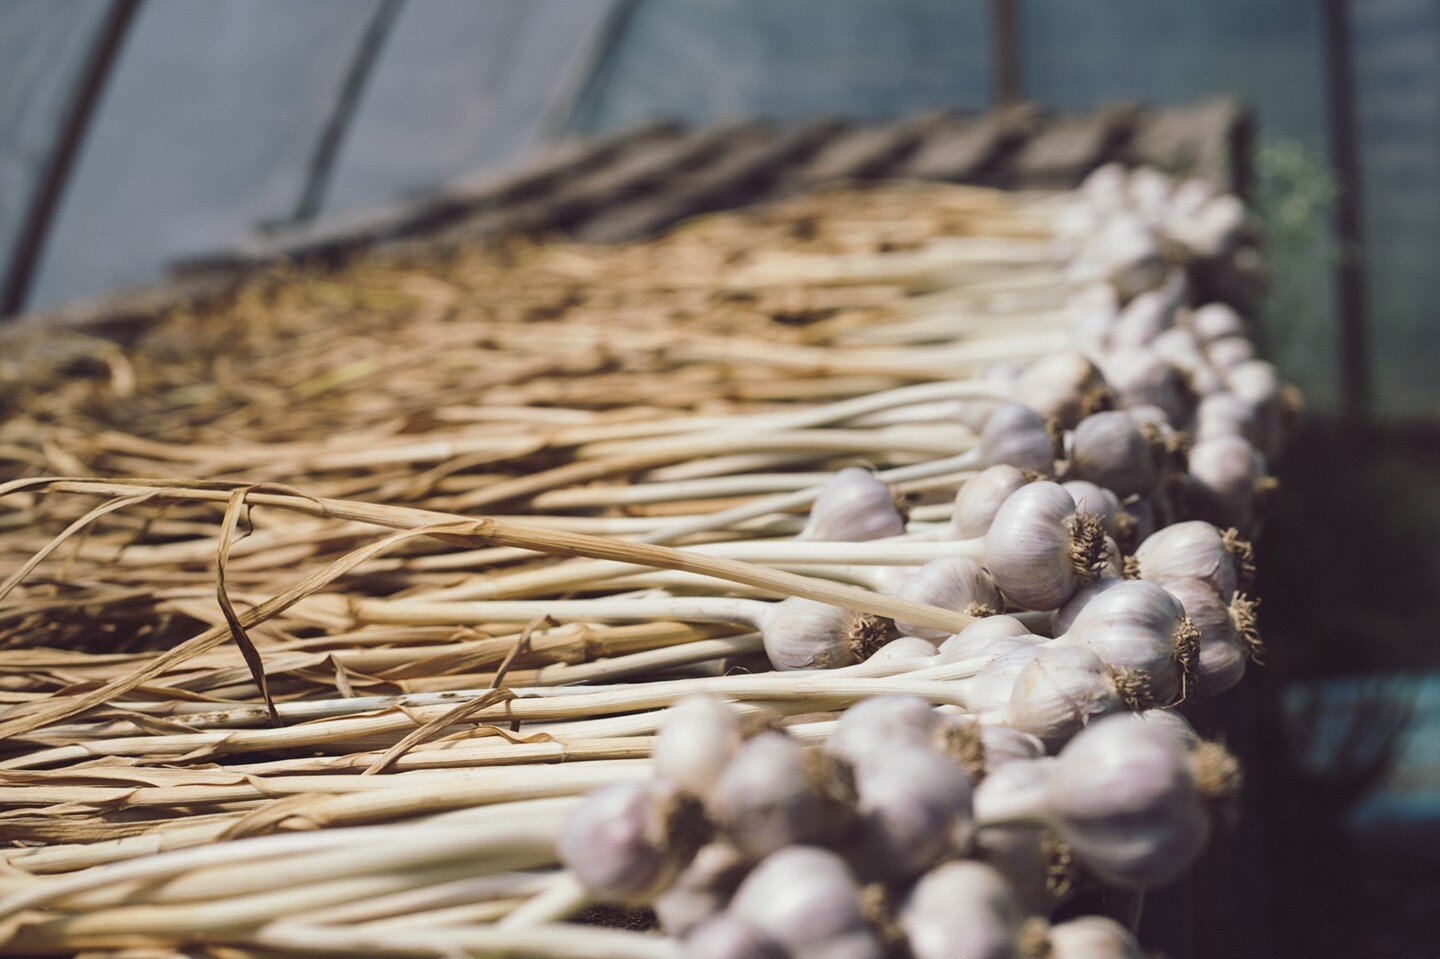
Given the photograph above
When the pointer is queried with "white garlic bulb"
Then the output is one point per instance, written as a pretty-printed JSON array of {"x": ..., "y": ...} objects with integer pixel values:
[
  {"x": 1225, "y": 414},
  {"x": 962, "y": 910},
  {"x": 950, "y": 582},
  {"x": 987, "y": 637},
  {"x": 881, "y": 723},
  {"x": 702, "y": 889},
  {"x": 1227, "y": 482},
  {"x": 1005, "y": 745},
  {"x": 1223, "y": 652},
  {"x": 853, "y": 506},
  {"x": 1016, "y": 435},
  {"x": 978, "y": 500},
  {"x": 1097, "y": 501},
  {"x": 805, "y": 634},
  {"x": 1141, "y": 378},
  {"x": 1214, "y": 321},
  {"x": 1134, "y": 260},
  {"x": 626, "y": 842},
  {"x": 1195, "y": 550},
  {"x": 775, "y": 794},
  {"x": 803, "y": 897},
  {"x": 1093, "y": 937},
  {"x": 1032, "y": 861},
  {"x": 1172, "y": 722},
  {"x": 729, "y": 937},
  {"x": 1064, "y": 387},
  {"x": 1038, "y": 550},
  {"x": 1144, "y": 318},
  {"x": 1229, "y": 351},
  {"x": 914, "y": 807},
  {"x": 1139, "y": 630},
  {"x": 906, "y": 649},
  {"x": 991, "y": 688},
  {"x": 1111, "y": 450},
  {"x": 1063, "y": 618},
  {"x": 697, "y": 738},
  {"x": 1061, "y": 691}
]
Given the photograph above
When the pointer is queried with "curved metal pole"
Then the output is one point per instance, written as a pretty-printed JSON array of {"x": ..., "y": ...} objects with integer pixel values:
[{"x": 75, "y": 123}]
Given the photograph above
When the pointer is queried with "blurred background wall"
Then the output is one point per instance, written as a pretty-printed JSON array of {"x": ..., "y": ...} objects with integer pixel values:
[{"x": 135, "y": 132}]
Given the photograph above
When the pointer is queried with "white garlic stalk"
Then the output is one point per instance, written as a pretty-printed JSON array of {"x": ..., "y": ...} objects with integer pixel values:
[
  {"x": 1016, "y": 435},
  {"x": 774, "y": 793},
  {"x": 625, "y": 843},
  {"x": 978, "y": 500},
  {"x": 951, "y": 582},
  {"x": 854, "y": 506},
  {"x": 1127, "y": 796},
  {"x": 962, "y": 910},
  {"x": 1064, "y": 387},
  {"x": 1195, "y": 550},
  {"x": 806, "y": 899},
  {"x": 1039, "y": 550}
]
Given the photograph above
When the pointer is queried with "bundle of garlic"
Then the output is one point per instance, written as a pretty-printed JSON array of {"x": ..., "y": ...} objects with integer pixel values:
[{"x": 862, "y": 641}]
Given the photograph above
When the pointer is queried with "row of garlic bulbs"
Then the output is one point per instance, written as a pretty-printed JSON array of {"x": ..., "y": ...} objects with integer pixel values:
[{"x": 1108, "y": 574}]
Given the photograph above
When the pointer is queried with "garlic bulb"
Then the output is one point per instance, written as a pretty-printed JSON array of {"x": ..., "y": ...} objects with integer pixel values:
[
  {"x": 914, "y": 808},
  {"x": 1112, "y": 450},
  {"x": 906, "y": 649},
  {"x": 1227, "y": 634},
  {"x": 1216, "y": 229},
  {"x": 729, "y": 937},
  {"x": 1064, "y": 387},
  {"x": 1093, "y": 937},
  {"x": 1190, "y": 196},
  {"x": 1195, "y": 550},
  {"x": 1038, "y": 550},
  {"x": 1140, "y": 378},
  {"x": 991, "y": 688},
  {"x": 702, "y": 889},
  {"x": 1096, "y": 501},
  {"x": 775, "y": 794},
  {"x": 1064, "y": 689},
  {"x": 697, "y": 738},
  {"x": 1215, "y": 321},
  {"x": 805, "y": 634},
  {"x": 978, "y": 500},
  {"x": 1225, "y": 414},
  {"x": 1005, "y": 745},
  {"x": 1227, "y": 482},
  {"x": 1063, "y": 618},
  {"x": 989, "y": 636},
  {"x": 962, "y": 910},
  {"x": 1229, "y": 351},
  {"x": 1133, "y": 259},
  {"x": 853, "y": 506},
  {"x": 950, "y": 582},
  {"x": 881, "y": 723},
  {"x": 806, "y": 899},
  {"x": 1255, "y": 382},
  {"x": 1172, "y": 722},
  {"x": 1016, "y": 435},
  {"x": 1144, "y": 318},
  {"x": 625, "y": 843},
  {"x": 1140, "y": 630}
]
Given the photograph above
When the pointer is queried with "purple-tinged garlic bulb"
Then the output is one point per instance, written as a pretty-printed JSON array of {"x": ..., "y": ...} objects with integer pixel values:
[
  {"x": 1094, "y": 500},
  {"x": 979, "y": 499},
  {"x": 1228, "y": 481},
  {"x": 805, "y": 634},
  {"x": 853, "y": 506},
  {"x": 1228, "y": 637},
  {"x": 987, "y": 637},
  {"x": 806, "y": 899},
  {"x": 1092, "y": 937},
  {"x": 1113, "y": 451},
  {"x": 1039, "y": 550},
  {"x": 1174, "y": 723},
  {"x": 1063, "y": 618},
  {"x": 697, "y": 739},
  {"x": 962, "y": 910},
  {"x": 1016, "y": 435},
  {"x": 992, "y": 687},
  {"x": 1064, "y": 387},
  {"x": 729, "y": 937},
  {"x": 880, "y": 723},
  {"x": 702, "y": 889},
  {"x": 1140, "y": 630},
  {"x": 625, "y": 843},
  {"x": 906, "y": 649},
  {"x": 1225, "y": 414},
  {"x": 1141, "y": 378},
  {"x": 914, "y": 806},
  {"x": 1196, "y": 550},
  {"x": 775, "y": 794},
  {"x": 1063, "y": 690},
  {"x": 950, "y": 582},
  {"x": 1005, "y": 745}
]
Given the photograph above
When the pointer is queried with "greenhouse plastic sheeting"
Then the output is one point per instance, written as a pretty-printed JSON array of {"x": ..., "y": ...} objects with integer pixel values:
[
  {"x": 476, "y": 83},
  {"x": 44, "y": 45}
]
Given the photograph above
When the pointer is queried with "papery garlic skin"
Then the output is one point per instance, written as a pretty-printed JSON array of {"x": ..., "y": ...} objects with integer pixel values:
[
  {"x": 951, "y": 582},
  {"x": 1173, "y": 722},
  {"x": 990, "y": 636},
  {"x": 701, "y": 890},
  {"x": 805, "y": 634},
  {"x": 1222, "y": 655},
  {"x": 962, "y": 910},
  {"x": 1029, "y": 860},
  {"x": 729, "y": 937},
  {"x": 1111, "y": 450},
  {"x": 1005, "y": 745},
  {"x": 803, "y": 897},
  {"x": 1038, "y": 550},
  {"x": 853, "y": 506},
  {"x": 906, "y": 649},
  {"x": 697, "y": 738},
  {"x": 1063, "y": 618},
  {"x": 1140, "y": 378},
  {"x": 980, "y": 498},
  {"x": 878, "y": 724},
  {"x": 1065, "y": 688},
  {"x": 1015, "y": 435},
  {"x": 774, "y": 794},
  {"x": 914, "y": 807},
  {"x": 1064, "y": 387},
  {"x": 1214, "y": 321},
  {"x": 1194, "y": 550},
  {"x": 1093, "y": 937},
  {"x": 625, "y": 842},
  {"x": 1096, "y": 501},
  {"x": 1227, "y": 477},
  {"x": 1139, "y": 628}
]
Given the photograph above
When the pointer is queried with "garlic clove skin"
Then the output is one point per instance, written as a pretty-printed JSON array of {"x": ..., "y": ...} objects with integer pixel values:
[
  {"x": 1060, "y": 692},
  {"x": 1225, "y": 414},
  {"x": 1215, "y": 321},
  {"x": 802, "y": 897},
  {"x": 853, "y": 506},
  {"x": 1139, "y": 630},
  {"x": 1190, "y": 196},
  {"x": 1096, "y": 501},
  {"x": 878, "y": 724},
  {"x": 1227, "y": 478},
  {"x": 626, "y": 842},
  {"x": 1140, "y": 378},
  {"x": 805, "y": 634},
  {"x": 1038, "y": 550},
  {"x": 697, "y": 738},
  {"x": 729, "y": 937},
  {"x": 1229, "y": 352},
  {"x": 914, "y": 808},
  {"x": 1172, "y": 722},
  {"x": 978, "y": 500},
  {"x": 1032, "y": 863},
  {"x": 987, "y": 637},
  {"x": 1222, "y": 656},
  {"x": 1133, "y": 259},
  {"x": 1143, "y": 319},
  {"x": 1111, "y": 450},
  {"x": 1124, "y": 797},
  {"x": 1064, "y": 387},
  {"x": 775, "y": 794},
  {"x": 962, "y": 910},
  {"x": 1063, "y": 618},
  {"x": 991, "y": 688},
  {"x": 1195, "y": 550},
  {"x": 907, "y": 649},
  {"x": 1005, "y": 745},
  {"x": 1016, "y": 435},
  {"x": 1093, "y": 937},
  {"x": 950, "y": 582},
  {"x": 701, "y": 890}
]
